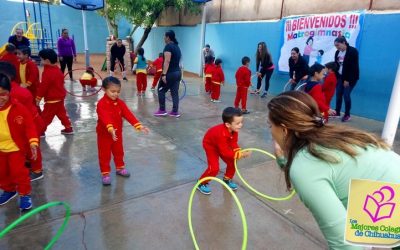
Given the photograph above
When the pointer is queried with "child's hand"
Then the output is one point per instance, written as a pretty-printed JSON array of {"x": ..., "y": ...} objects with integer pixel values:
[
  {"x": 331, "y": 112},
  {"x": 34, "y": 152},
  {"x": 246, "y": 154},
  {"x": 145, "y": 130},
  {"x": 113, "y": 134}
]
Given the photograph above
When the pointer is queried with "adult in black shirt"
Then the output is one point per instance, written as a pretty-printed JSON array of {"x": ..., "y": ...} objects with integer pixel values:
[
  {"x": 171, "y": 75},
  {"x": 264, "y": 67},
  {"x": 298, "y": 68},
  {"x": 18, "y": 39},
  {"x": 346, "y": 58},
  {"x": 117, "y": 52}
]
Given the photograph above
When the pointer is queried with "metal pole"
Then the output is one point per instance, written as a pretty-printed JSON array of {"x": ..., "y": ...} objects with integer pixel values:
[
  {"x": 41, "y": 27},
  {"x": 51, "y": 29},
  {"x": 202, "y": 38},
  {"x": 26, "y": 18},
  {"x": 87, "y": 59},
  {"x": 393, "y": 114}
]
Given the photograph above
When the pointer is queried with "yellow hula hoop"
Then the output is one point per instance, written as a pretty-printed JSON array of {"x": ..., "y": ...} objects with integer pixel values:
[
  {"x": 239, "y": 205},
  {"x": 253, "y": 189}
]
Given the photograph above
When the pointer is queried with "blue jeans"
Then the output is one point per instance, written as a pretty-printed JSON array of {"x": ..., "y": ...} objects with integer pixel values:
[
  {"x": 173, "y": 81},
  {"x": 345, "y": 92}
]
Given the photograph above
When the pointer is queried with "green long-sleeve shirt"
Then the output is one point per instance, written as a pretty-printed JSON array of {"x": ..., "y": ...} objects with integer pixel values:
[{"x": 323, "y": 187}]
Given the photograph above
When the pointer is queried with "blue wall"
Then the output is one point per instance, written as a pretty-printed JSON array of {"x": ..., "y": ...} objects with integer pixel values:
[
  {"x": 379, "y": 55},
  {"x": 12, "y": 12}
]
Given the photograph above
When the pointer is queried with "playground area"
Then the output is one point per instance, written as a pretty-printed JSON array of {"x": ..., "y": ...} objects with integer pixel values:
[
  {"x": 149, "y": 209},
  {"x": 161, "y": 202}
]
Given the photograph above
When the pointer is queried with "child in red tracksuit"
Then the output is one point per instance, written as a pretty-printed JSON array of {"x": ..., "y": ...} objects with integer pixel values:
[
  {"x": 243, "y": 82},
  {"x": 28, "y": 72},
  {"x": 110, "y": 111},
  {"x": 217, "y": 79},
  {"x": 88, "y": 80},
  {"x": 158, "y": 64},
  {"x": 208, "y": 68},
  {"x": 330, "y": 81},
  {"x": 10, "y": 56},
  {"x": 314, "y": 89},
  {"x": 16, "y": 131},
  {"x": 222, "y": 141},
  {"x": 53, "y": 91},
  {"x": 140, "y": 66},
  {"x": 24, "y": 97}
]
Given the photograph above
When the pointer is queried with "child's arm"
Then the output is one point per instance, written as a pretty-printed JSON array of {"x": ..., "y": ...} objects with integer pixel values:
[
  {"x": 30, "y": 131},
  {"x": 280, "y": 157},
  {"x": 33, "y": 75},
  {"x": 131, "y": 118},
  {"x": 104, "y": 118},
  {"x": 42, "y": 89}
]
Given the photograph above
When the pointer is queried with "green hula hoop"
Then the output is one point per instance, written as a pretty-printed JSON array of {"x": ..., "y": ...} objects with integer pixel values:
[
  {"x": 253, "y": 189},
  {"x": 38, "y": 210},
  {"x": 242, "y": 215}
]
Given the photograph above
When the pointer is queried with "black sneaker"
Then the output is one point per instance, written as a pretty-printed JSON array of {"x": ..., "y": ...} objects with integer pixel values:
[
  {"x": 126, "y": 79},
  {"x": 245, "y": 111},
  {"x": 36, "y": 176}
]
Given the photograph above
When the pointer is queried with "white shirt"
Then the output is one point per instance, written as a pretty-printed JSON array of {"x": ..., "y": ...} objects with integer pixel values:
[{"x": 341, "y": 56}]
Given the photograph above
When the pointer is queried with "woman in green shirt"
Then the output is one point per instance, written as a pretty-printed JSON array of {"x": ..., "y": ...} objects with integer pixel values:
[{"x": 323, "y": 158}]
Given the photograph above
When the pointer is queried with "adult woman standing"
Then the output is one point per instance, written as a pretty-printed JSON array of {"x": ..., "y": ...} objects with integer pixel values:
[
  {"x": 298, "y": 68},
  {"x": 346, "y": 58},
  {"x": 264, "y": 67},
  {"x": 66, "y": 52},
  {"x": 323, "y": 158},
  {"x": 171, "y": 75}
]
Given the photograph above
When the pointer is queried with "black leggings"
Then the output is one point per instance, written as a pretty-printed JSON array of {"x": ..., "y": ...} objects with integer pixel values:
[
  {"x": 67, "y": 61},
  {"x": 267, "y": 75},
  {"x": 121, "y": 63}
]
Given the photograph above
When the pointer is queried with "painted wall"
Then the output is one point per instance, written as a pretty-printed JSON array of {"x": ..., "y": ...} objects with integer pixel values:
[
  {"x": 61, "y": 16},
  {"x": 379, "y": 54}
]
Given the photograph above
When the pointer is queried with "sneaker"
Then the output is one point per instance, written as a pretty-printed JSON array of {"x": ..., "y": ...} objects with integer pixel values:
[
  {"x": 43, "y": 135},
  {"x": 204, "y": 189},
  {"x": 212, "y": 100},
  {"x": 346, "y": 118},
  {"x": 36, "y": 176},
  {"x": 245, "y": 111},
  {"x": 254, "y": 92},
  {"x": 153, "y": 89},
  {"x": 217, "y": 101},
  {"x": 264, "y": 95},
  {"x": 6, "y": 197},
  {"x": 106, "y": 180},
  {"x": 123, "y": 172},
  {"x": 174, "y": 114},
  {"x": 160, "y": 113},
  {"x": 25, "y": 202},
  {"x": 67, "y": 131},
  {"x": 337, "y": 115},
  {"x": 231, "y": 184},
  {"x": 126, "y": 79}
]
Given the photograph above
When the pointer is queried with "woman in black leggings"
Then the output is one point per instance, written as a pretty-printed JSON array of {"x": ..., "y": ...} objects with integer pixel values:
[
  {"x": 66, "y": 52},
  {"x": 264, "y": 68}
]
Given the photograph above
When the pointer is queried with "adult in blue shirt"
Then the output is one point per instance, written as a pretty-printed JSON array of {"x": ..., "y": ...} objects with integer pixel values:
[{"x": 171, "y": 75}]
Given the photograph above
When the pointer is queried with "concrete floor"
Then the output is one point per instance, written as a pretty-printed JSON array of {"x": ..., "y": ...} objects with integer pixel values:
[{"x": 149, "y": 210}]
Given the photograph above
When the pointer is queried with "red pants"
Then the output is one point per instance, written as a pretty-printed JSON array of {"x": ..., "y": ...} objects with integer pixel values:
[
  {"x": 55, "y": 109},
  {"x": 36, "y": 165},
  {"x": 141, "y": 82},
  {"x": 208, "y": 84},
  {"x": 213, "y": 164},
  {"x": 215, "y": 91},
  {"x": 106, "y": 146},
  {"x": 156, "y": 78},
  {"x": 14, "y": 176},
  {"x": 92, "y": 82},
  {"x": 241, "y": 96}
]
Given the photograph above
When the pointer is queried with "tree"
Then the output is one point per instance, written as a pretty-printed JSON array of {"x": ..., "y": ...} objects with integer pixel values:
[
  {"x": 146, "y": 12},
  {"x": 112, "y": 12}
]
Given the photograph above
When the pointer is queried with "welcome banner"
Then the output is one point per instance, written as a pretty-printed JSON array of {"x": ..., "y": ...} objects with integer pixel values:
[{"x": 315, "y": 35}]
